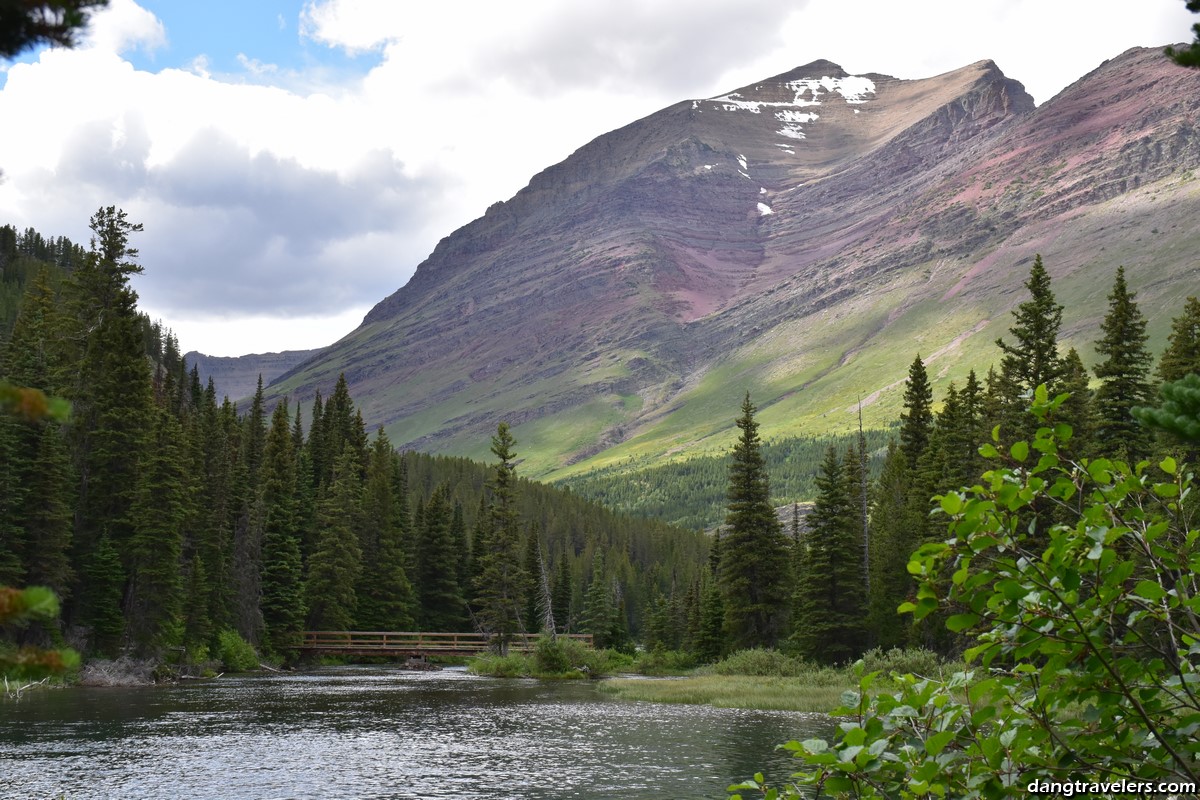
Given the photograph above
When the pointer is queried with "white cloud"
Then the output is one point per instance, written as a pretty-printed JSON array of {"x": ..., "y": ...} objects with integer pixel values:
[{"x": 124, "y": 26}]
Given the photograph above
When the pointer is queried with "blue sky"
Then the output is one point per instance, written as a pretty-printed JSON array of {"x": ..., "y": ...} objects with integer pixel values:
[
  {"x": 293, "y": 162},
  {"x": 225, "y": 31}
]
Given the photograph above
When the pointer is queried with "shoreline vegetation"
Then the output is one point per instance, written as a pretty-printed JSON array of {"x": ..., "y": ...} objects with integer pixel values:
[{"x": 756, "y": 679}]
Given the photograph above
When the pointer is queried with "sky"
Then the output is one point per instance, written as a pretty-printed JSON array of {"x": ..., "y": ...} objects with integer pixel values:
[{"x": 293, "y": 161}]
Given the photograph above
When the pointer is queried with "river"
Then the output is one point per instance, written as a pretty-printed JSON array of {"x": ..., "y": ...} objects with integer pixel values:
[{"x": 380, "y": 732}]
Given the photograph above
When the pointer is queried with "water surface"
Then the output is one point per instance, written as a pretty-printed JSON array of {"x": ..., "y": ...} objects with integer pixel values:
[{"x": 380, "y": 732}]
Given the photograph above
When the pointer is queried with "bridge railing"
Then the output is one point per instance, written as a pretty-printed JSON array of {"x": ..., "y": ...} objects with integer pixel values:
[{"x": 417, "y": 641}]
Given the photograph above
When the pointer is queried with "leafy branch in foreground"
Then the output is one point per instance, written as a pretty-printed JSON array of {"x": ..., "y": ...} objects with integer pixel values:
[
  {"x": 1179, "y": 413},
  {"x": 1087, "y": 639},
  {"x": 19, "y": 607},
  {"x": 32, "y": 404}
]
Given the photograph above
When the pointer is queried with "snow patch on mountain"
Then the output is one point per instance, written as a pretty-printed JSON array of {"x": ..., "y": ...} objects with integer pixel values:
[{"x": 807, "y": 92}]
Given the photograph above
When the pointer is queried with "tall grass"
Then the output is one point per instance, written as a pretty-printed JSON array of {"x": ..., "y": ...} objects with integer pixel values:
[
  {"x": 768, "y": 679},
  {"x": 732, "y": 691}
]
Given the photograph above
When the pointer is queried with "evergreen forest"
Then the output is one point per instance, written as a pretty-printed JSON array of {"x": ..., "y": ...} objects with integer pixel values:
[{"x": 169, "y": 520}]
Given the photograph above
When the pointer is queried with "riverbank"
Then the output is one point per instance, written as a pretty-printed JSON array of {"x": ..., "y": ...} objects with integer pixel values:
[
  {"x": 769, "y": 680},
  {"x": 732, "y": 691}
]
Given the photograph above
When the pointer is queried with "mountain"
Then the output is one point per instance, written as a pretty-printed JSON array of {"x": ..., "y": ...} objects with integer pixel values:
[
  {"x": 801, "y": 238},
  {"x": 236, "y": 377}
]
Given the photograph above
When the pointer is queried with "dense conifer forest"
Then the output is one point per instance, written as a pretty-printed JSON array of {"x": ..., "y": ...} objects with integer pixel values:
[
  {"x": 692, "y": 493},
  {"x": 167, "y": 518},
  {"x": 849, "y": 557}
]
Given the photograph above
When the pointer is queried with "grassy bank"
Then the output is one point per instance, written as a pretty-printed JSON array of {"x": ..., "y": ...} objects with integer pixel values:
[
  {"x": 731, "y": 691},
  {"x": 560, "y": 658},
  {"x": 769, "y": 680}
]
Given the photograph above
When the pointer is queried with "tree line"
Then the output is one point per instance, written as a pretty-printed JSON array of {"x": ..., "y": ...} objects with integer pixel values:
[
  {"x": 829, "y": 588},
  {"x": 691, "y": 493},
  {"x": 166, "y": 517}
]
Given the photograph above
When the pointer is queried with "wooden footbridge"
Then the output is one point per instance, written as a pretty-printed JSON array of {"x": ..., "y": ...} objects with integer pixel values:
[{"x": 412, "y": 645}]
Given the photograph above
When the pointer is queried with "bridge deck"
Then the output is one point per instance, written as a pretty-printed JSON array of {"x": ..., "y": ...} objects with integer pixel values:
[{"x": 412, "y": 643}]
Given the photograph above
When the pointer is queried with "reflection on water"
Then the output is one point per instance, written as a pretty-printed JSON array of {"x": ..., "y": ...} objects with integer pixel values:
[{"x": 378, "y": 732}]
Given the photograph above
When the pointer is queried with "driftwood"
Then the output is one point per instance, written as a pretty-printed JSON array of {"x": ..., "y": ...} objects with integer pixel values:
[
  {"x": 15, "y": 693},
  {"x": 122, "y": 672}
]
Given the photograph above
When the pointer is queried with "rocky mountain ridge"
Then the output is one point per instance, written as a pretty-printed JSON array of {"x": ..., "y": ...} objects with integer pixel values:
[
  {"x": 801, "y": 237},
  {"x": 236, "y": 377}
]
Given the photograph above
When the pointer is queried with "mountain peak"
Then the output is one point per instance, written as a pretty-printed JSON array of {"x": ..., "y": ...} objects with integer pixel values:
[
  {"x": 774, "y": 233},
  {"x": 820, "y": 68}
]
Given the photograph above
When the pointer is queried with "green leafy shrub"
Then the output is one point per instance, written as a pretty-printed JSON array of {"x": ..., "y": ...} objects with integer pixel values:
[
  {"x": 664, "y": 662},
  {"x": 763, "y": 663},
  {"x": 1086, "y": 632},
  {"x": 236, "y": 654},
  {"x": 917, "y": 661},
  {"x": 513, "y": 665}
]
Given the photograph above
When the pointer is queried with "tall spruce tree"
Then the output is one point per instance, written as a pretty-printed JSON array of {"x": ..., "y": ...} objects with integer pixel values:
[
  {"x": 1032, "y": 358},
  {"x": 155, "y": 595},
  {"x": 1182, "y": 355},
  {"x": 563, "y": 591},
  {"x": 111, "y": 387},
  {"x": 598, "y": 605},
  {"x": 47, "y": 516},
  {"x": 335, "y": 563},
  {"x": 754, "y": 564},
  {"x": 916, "y": 421},
  {"x": 896, "y": 531},
  {"x": 385, "y": 595},
  {"x": 441, "y": 602},
  {"x": 499, "y": 597},
  {"x": 830, "y": 608},
  {"x": 283, "y": 610},
  {"x": 1124, "y": 373},
  {"x": 1079, "y": 409}
]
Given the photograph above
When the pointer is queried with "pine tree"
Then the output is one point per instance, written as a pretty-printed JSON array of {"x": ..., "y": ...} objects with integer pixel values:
[
  {"x": 282, "y": 603},
  {"x": 1124, "y": 373},
  {"x": 896, "y": 532},
  {"x": 1182, "y": 355},
  {"x": 47, "y": 514},
  {"x": 499, "y": 599},
  {"x": 1033, "y": 357},
  {"x": 562, "y": 593},
  {"x": 111, "y": 386},
  {"x": 385, "y": 596},
  {"x": 598, "y": 605},
  {"x": 198, "y": 629},
  {"x": 334, "y": 565},
  {"x": 102, "y": 592},
  {"x": 155, "y": 595},
  {"x": 659, "y": 629},
  {"x": 754, "y": 569},
  {"x": 441, "y": 600},
  {"x": 829, "y": 602},
  {"x": 710, "y": 641},
  {"x": 462, "y": 563},
  {"x": 1079, "y": 410},
  {"x": 12, "y": 502},
  {"x": 214, "y": 515},
  {"x": 531, "y": 565},
  {"x": 916, "y": 421}
]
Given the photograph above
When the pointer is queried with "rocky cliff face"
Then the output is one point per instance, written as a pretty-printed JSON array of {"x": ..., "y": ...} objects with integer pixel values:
[
  {"x": 237, "y": 377},
  {"x": 801, "y": 237}
]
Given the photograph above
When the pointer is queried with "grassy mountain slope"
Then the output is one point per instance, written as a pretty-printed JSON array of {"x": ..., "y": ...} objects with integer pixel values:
[{"x": 616, "y": 309}]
